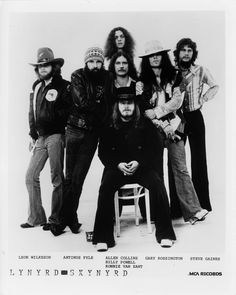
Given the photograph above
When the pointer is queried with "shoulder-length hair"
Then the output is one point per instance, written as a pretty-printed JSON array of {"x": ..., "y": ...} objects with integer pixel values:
[
  {"x": 131, "y": 67},
  {"x": 168, "y": 72},
  {"x": 186, "y": 42},
  {"x": 56, "y": 70},
  {"x": 110, "y": 45},
  {"x": 116, "y": 121}
]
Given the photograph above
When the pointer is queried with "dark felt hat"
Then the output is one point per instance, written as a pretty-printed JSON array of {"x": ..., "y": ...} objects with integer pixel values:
[
  {"x": 45, "y": 55},
  {"x": 125, "y": 93}
]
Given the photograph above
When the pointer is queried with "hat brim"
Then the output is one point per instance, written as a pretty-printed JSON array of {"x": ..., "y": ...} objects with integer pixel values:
[
  {"x": 153, "y": 52},
  {"x": 127, "y": 97},
  {"x": 59, "y": 61}
]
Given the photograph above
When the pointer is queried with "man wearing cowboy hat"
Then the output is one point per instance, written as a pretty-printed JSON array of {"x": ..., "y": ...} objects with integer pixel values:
[
  {"x": 49, "y": 105},
  {"x": 162, "y": 93},
  {"x": 88, "y": 112},
  {"x": 127, "y": 148}
]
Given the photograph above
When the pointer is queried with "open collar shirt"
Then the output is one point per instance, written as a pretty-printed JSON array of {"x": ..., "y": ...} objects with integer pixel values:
[{"x": 195, "y": 95}]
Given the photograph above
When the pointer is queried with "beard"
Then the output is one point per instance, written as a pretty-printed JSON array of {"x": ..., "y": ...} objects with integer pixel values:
[
  {"x": 94, "y": 74},
  {"x": 127, "y": 117},
  {"x": 46, "y": 77},
  {"x": 185, "y": 64}
]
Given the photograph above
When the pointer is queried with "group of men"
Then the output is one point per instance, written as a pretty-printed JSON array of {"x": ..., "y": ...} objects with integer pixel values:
[{"x": 112, "y": 108}]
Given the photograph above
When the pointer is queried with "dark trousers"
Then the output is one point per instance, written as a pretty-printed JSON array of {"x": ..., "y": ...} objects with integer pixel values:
[
  {"x": 157, "y": 165},
  {"x": 80, "y": 148},
  {"x": 195, "y": 131},
  {"x": 112, "y": 180}
]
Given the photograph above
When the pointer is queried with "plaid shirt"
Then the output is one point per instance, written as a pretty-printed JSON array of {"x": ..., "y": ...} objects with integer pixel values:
[{"x": 194, "y": 98}]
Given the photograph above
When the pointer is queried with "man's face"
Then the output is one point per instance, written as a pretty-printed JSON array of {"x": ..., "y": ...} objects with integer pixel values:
[
  {"x": 155, "y": 60},
  {"x": 119, "y": 39},
  {"x": 121, "y": 66},
  {"x": 94, "y": 65},
  {"x": 126, "y": 109},
  {"x": 185, "y": 54},
  {"x": 45, "y": 71}
]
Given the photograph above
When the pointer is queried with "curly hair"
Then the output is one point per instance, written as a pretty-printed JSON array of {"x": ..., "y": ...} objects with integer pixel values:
[
  {"x": 168, "y": 72},
  {"x": 131, "y": 67},
  {"x": 185, "y": 42},
  {"x": 110, "y": 45}
]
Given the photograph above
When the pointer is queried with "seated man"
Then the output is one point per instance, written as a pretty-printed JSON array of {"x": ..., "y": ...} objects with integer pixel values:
[{"x": 128, "y": 148}]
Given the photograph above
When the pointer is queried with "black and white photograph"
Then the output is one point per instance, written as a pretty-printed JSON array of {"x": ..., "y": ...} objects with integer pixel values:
[{"x": 116, "y": 150}]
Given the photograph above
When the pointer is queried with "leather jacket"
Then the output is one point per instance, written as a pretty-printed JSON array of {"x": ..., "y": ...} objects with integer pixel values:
[
  {"x": 90, "y": 106},
  {"x": 49, "y": 114}
]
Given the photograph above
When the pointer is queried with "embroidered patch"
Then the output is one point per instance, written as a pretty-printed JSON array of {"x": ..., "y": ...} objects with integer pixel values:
[{"x": 51, "y": 95}]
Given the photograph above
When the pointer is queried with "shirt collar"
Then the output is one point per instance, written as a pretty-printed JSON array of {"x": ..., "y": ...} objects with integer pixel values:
[
  {"x": 47, "y": 82},
  {"x": 127, "y": 85},
  {"x": 193, "y": 69}
]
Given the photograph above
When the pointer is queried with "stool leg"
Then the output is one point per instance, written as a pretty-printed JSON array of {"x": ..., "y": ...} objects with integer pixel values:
[
  {"x": 117, "y": 218},
  {"x": 136, "y": 207},
  {"x": 136, "y": 211},
  {"x": 147, "y": 203}
]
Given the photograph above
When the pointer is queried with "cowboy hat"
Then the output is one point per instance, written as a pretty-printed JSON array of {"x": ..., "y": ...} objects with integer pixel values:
[
  {"x": 152, "y": 47},
  {"x": 45, "y": 55}
]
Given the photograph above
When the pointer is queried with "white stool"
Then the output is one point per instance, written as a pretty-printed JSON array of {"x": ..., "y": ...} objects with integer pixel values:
[{"x": 136, "y": 195}]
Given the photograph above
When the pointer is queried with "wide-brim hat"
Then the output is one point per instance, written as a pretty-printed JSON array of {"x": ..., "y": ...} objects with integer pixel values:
[
  {"x": 45, "y": 55},
  {"x": 152, "y": 47}
]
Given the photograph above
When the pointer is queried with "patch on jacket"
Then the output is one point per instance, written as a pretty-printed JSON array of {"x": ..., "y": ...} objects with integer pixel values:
[{"x": 51, "y": 95}]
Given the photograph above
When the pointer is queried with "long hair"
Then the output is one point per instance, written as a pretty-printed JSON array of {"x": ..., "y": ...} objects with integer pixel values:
[
  {"x": 185, "y": 42},
  {"x": 110, "y": 45},
  {"x": 116, "y": 121},
  {"x": 168, "y": 72},
  {"x": 131, "y": 67},
  {"x": 56, "y": 70}
]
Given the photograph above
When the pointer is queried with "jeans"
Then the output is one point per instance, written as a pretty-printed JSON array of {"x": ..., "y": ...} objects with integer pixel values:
[
  {"x": 186, "y": 193},
  {"x": 112, "y": 180},
  {"x": 52, "y": 147},
  {"x": 80, "y": 149}
]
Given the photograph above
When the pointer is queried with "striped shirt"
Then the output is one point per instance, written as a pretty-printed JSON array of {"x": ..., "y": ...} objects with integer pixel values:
[{"x": 195, "y": 96}]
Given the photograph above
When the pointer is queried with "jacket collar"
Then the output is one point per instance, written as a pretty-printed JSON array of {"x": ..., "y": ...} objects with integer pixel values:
[{"x": 56, "y": 81}]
